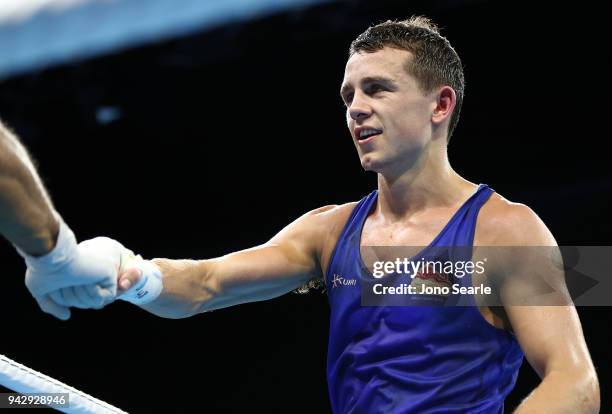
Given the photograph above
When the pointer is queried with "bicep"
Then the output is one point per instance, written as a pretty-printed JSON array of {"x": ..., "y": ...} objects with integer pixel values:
[
  {"x": 262, "y": 272},
  {"x": 541, "y": 311},
  {"x": 551, "y": 337},
  {"x": 281, "y": 265}
]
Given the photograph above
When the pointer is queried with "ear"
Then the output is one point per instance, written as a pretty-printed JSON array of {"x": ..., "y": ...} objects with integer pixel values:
[{"x": 446, "y": 99}]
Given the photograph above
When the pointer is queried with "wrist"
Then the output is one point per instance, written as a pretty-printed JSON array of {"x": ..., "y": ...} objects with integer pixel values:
[
  {"x": 61, "y": 248},
  {"x": 42, "y": 242},
  {"x": 148, "y": 286}
]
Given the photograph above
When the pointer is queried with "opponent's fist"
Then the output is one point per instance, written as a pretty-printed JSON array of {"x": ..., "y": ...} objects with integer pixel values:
[
  {"x": 103, "y": 255},
  {"x": 83, "y": 275}
]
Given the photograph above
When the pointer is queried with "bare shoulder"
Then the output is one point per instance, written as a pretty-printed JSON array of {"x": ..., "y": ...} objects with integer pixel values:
[
  {"x": 318, "y": 230},
  {"x": 328, "y": 222},
  {"x": 313, "y": 230},
  {"x": 503, "y": 222},
  {"x": 334, "y": 216}
]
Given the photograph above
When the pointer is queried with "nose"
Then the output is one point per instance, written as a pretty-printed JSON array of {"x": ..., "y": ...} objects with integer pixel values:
[{"x": 359, "y": 108}]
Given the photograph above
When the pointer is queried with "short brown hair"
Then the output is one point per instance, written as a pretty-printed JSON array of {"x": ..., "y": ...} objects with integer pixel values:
[{"x": 435, "y": 62}]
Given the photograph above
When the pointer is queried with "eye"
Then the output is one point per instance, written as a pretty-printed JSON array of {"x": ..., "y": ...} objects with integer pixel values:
[{"x": 375, "y": 88}]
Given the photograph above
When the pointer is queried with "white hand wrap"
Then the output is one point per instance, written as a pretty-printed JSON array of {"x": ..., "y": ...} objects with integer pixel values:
[
  {"x": 88, "y": 277},
  {"x": 150, "y": 284}
]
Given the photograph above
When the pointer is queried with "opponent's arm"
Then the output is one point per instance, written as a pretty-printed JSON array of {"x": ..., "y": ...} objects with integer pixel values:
[
  {"x": 284, "y": 263},
  {"x": 547, "y": 325},
  {"x": 27, "y": 217},
  {"x": 60, "y": 274}
]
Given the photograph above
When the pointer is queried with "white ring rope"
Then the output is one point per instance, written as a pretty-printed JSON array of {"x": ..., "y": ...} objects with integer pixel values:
[{"x": 23, "y": 380}]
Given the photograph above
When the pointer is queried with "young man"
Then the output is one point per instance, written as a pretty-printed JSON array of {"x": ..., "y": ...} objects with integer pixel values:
[{"x": 403, "y": 88}]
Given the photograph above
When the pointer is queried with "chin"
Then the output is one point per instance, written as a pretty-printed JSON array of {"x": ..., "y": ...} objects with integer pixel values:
[{"x": 369, "y": 163}]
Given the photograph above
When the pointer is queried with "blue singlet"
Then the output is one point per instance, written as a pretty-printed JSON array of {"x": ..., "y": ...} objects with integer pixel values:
[{"x": 413, "y": 359}]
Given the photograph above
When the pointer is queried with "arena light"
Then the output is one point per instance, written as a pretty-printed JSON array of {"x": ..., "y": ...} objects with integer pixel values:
[{"x": 40, "y": 33}]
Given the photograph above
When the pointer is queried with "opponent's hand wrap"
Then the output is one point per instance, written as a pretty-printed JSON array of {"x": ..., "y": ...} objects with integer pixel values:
[
  {"x": 148, "y": 287},
  {"x": 72, "y": 275}
]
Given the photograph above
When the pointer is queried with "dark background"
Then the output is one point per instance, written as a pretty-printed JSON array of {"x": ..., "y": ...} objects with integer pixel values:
[{"x": 225, "y": 136}]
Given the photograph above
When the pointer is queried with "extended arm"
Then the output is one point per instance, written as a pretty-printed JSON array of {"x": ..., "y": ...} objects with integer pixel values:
[{"x": 284, "y": 263}]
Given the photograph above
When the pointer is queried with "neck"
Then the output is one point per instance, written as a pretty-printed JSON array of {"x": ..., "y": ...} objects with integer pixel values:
[{"x": 429, "y": 183}]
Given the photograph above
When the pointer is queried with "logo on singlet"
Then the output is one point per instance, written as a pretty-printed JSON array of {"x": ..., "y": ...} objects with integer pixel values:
[
  {"x": 339, "y": 281},
  {"x": 432, "y": 283},
  {"x": 430, "y": 274}
]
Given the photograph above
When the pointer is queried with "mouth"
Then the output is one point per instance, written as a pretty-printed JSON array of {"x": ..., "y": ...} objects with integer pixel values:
[
  {"x": 365, "y": 141},
  {"x": 367, "y": 135}
]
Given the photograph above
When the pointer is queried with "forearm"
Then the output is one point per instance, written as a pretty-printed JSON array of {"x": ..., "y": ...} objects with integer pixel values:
[
  {"x": 187, "y": 288},
  {"x": 27, "y": 218},
  {"x": 564, "y": 392},
  {"x": 256, "y": 274}
]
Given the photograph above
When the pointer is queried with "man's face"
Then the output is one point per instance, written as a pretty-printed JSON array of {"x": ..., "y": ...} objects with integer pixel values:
[{"x": 388, "y": 116}]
